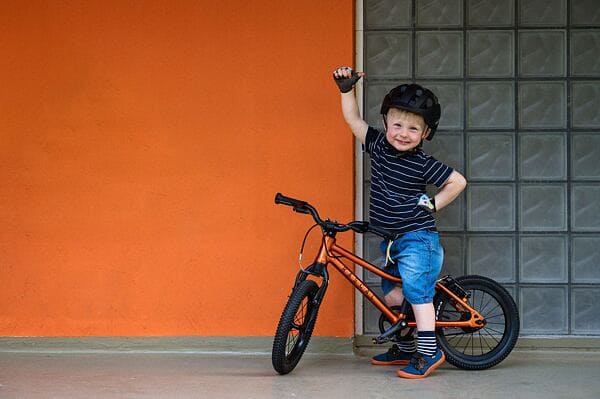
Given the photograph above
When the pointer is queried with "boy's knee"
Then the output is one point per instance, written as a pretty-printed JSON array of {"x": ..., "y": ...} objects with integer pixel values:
[{"x": 394, "y": 297}]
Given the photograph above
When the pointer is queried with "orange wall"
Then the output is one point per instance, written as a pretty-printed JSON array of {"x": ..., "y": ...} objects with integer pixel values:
[{"x": 141, "y": 145}]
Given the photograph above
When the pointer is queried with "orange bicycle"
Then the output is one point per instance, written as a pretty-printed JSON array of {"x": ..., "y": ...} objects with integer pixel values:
[{"x": 477, "y": 321}]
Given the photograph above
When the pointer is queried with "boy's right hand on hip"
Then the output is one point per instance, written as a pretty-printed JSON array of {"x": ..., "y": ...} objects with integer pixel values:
[
  {"x": 426, "y": 203},
  {"x": 346, "y": 78}
]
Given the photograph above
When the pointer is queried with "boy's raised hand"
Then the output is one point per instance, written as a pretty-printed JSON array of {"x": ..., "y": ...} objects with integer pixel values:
[{"x": 346, "y": 78}]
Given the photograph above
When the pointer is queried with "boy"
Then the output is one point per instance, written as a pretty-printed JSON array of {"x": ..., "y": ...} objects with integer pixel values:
[{"x": 400, "y": 171}]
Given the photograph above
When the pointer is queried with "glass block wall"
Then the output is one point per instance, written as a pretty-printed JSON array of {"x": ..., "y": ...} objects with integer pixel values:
[{"x": 519, "y": 83}]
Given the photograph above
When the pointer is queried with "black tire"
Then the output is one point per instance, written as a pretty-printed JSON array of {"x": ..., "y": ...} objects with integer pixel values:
[
  {"x": 478, "y": 349},
  {"x": 295, "y": 327}
]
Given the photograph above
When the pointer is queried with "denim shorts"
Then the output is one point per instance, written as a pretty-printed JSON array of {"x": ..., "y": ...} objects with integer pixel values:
[{"x": 418, "y": 258}]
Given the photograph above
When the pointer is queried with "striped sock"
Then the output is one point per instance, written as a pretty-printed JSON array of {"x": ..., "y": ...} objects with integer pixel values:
[
  {"x": 427, "y": 345},
  {"x": 407, "y": 344}
]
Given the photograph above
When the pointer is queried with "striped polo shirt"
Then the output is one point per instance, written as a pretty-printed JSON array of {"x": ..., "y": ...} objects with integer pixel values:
[{"x": 397, "y": 181}]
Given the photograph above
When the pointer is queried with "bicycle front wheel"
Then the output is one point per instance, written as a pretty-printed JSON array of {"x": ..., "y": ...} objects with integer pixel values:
[
  {"x": 478, "y": 349},
  {"x": 295, "y": 327}
]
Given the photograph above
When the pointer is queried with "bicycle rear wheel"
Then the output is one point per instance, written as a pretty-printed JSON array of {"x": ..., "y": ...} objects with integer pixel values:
[
  {"x": 478, "y": 349},
  {"x": 295, "y": 327}
]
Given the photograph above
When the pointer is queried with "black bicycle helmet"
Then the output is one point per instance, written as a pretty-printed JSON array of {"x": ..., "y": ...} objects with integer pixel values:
[{"x": 416, "y": 99}]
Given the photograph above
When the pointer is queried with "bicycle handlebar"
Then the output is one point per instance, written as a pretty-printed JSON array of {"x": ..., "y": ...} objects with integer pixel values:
[{"x": 328, "y": 225}]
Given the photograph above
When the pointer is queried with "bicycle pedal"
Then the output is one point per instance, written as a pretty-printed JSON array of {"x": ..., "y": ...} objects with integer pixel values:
[
  {"x": 390, "y": 333},
  {"x": 380, "y": 340}
]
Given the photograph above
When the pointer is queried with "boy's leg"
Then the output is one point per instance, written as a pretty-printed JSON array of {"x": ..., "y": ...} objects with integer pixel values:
[
  {"x": 428, "y": 356},
  {"x": 401, "y": 352},
  {"x": 425, "y": 317},
  {"x": 395, "y": 297},
  {"x": 420, "y": 264}
]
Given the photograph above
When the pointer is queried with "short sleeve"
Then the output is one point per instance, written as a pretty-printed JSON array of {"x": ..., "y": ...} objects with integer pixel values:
[
  {"x": 373, "y": 136},
  {"x": 436, "y": 172}
]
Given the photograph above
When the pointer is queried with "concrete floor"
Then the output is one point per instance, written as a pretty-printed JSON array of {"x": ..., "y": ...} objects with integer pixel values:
[{"x": 525, "y": 374}]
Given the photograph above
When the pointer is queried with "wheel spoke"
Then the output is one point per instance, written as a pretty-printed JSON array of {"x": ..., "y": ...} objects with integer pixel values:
[
  {"x": 486, "y": 342},
  {"x": 494, "y": 316},
  {"x": 495, "y": 307},
  {"x": 469, "y": 340},
  {"x": 297, "y": 330},
  {"x": 492, "y": 336},
  {"x": 494, "y": 330},
  {"x": 482, "y": 308}
]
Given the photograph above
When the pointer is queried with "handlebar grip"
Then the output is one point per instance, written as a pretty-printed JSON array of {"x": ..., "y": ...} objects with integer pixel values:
[
  {"x": 282, "y": 199},
  {"x": 359, "y": 226}
]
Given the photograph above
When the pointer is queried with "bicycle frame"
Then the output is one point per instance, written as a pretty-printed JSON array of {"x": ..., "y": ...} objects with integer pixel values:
[{"x": 331, "y": 253}]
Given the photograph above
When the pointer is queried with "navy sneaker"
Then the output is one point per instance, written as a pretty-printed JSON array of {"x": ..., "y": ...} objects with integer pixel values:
[
  {"x": 421, "y": 366},
  {"x": 393, "y": 356}
]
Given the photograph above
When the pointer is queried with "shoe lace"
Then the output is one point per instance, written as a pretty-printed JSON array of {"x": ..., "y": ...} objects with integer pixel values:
[
  {"x": 418, "y": 361},
  {"x": 394, "y": 350}
]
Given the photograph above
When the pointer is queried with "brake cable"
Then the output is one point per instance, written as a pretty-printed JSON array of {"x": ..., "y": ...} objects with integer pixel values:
[{"x": 303, "y": 243}]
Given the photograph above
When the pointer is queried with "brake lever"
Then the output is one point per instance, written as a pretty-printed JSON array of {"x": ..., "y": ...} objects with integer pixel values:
[{"x": 332, "y": 225}]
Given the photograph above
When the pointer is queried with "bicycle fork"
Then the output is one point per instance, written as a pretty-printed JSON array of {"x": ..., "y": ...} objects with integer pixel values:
[{"x": 319, "y": 270}]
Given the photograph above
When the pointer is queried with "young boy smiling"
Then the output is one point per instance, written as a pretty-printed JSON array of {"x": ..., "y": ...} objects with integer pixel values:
[{"x": 400, "y": 171}]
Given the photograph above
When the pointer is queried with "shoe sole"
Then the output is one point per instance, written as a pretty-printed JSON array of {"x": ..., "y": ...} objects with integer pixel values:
[
  {"x": 434, "y": 366},
  {"x": 392, "y": 363}
]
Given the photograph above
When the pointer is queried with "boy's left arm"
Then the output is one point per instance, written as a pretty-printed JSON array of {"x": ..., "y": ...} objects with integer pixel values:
[{"x": 455, "y": 184}]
